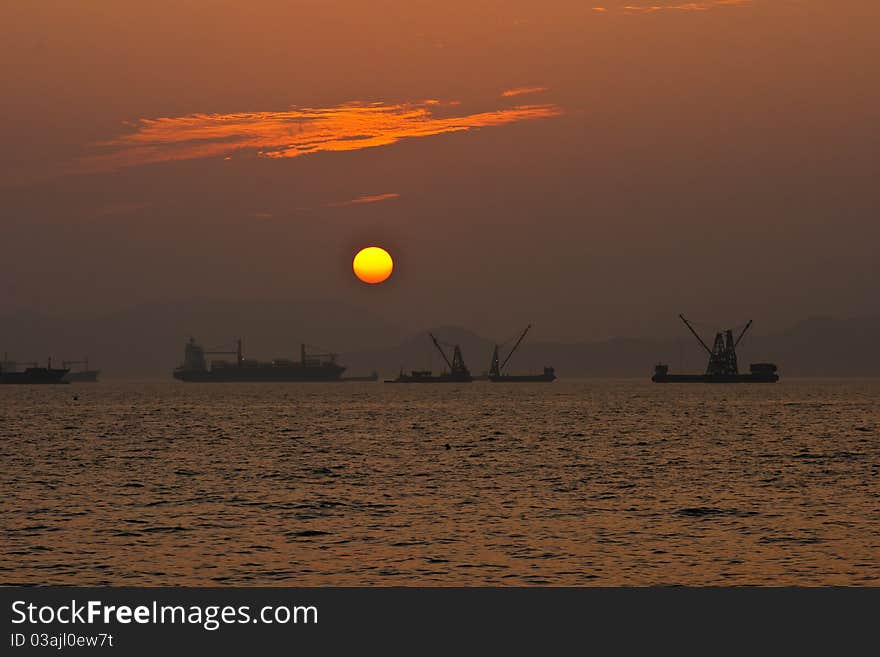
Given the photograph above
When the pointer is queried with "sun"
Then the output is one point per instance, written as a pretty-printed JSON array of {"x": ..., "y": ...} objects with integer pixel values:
[{"x": 372, "y": 264}]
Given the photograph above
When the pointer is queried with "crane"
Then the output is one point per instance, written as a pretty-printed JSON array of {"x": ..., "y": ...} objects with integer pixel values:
[
  {"x": 456, "y": 366},
  {"x": 722, "y": 355},
  {"x": 742, "y": 334},
  {"x": 696, "y": 335},
  {"x": 515, "y": 347},
  {"x": 440, "y": 349}
]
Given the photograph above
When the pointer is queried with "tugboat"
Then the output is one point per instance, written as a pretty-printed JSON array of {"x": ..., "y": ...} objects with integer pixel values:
[
  {"x": 723, "y": 367},
  {"x": 457, "y": 372},
  {"x": 496, "y": 370},
  {"x": 31, "y": 374},
  {"x": 310, "y": 367}
]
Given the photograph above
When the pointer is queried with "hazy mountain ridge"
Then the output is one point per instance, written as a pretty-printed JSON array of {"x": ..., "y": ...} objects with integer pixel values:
[
  {"x": 814, "y": 347},
  {"x": 147, "y": 341}
]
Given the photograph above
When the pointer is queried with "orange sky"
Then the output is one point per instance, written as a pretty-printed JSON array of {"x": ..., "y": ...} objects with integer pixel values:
[{"x": 591, "y": 168}]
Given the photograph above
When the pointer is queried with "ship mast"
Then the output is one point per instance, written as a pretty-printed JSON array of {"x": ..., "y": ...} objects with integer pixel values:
[
  {"x": 458, "y": 366},
  {"x": 494, "y": 368}
]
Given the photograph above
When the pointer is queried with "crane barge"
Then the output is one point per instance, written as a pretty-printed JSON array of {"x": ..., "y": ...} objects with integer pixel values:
[
  {"x": 496, "y": 368},
  {"x": 723, "y": 366},
  {"x": 457, "y": 372}
]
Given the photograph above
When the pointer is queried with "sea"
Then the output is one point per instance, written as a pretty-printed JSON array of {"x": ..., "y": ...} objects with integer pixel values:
[{"x": 576, "y": 483}]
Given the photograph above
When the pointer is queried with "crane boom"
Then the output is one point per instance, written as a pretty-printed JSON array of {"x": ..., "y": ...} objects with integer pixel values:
[
  {"x": 696, "y": 335},
  {"x": 442, "y": 353},
  {"x": 515, "y": 347},
  {"x": 741, "y": 335}
]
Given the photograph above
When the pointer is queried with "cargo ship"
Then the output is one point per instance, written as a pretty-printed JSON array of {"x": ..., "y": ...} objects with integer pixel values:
[
  {"x": 310, "y": 367},
  {"x": 723, "y": 366},
  {"x": 457, "y": 372},
  {"x": 31, "y": 374},
  {"x": 85, "y": 375},
  {"x": 496, "y": 369}
]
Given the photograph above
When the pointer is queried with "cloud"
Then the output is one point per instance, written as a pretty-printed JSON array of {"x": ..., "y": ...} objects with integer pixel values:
[
  {"x": 520, "y": 91},
  {"x": 295, "y": 132},
  {"x": 360, "y": 200},
  {"x": 681, "y": 6}
]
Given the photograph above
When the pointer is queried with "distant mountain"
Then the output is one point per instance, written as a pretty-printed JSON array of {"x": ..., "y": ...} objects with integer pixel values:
[
  {"x": 147, "y": 342},
  {"x": 825, "y": 347}
]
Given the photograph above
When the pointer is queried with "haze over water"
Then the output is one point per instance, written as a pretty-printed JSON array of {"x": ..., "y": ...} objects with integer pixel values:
[{"x": 577, "y": 483}]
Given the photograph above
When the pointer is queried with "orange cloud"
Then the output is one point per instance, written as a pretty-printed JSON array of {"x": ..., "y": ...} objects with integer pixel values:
[
  {"x": 519, "y": 91},
  {"x": 295, "y": 132},
  {"x": 363, "y": 199},
  {"x": 685, "y": 6}
]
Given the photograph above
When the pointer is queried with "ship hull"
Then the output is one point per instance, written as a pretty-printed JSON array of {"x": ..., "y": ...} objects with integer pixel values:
[
  {"x": 715, "y": 378},
  {"x": 371, "y": 377},
  {"x": 261, "y": 375},
  {"x": 86, "y": 376},
  {"x": 34, "y": 376},
  {"x": 525, "y": 378},
  {"x": 429, "y": 379}
]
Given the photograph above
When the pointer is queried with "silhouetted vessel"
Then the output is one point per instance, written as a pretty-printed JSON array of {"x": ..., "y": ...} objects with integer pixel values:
[
  {"x": 723, "y": 366},
  {"x": 496, "y": 370},
  {"x": 310, "y": 367},
  {"x": 32, "y": 374},
  {"x": 84, "y": 375},
  {"x": 374, "y": 376},
  {"x": 457, "y": 372}
]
